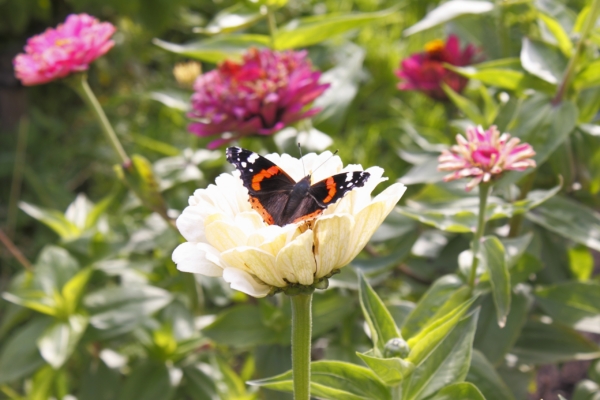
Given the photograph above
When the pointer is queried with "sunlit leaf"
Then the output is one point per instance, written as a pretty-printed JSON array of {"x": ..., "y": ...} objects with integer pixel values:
[
  {"x": 216, "y": 49},
  {"x": 448, "y": 11},
  {"x": 493, "y": 258}
]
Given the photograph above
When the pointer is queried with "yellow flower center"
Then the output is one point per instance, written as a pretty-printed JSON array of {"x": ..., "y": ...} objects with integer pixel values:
[
  {"x": 62, "y": 42},
  {"x": 434, "y": 46}
]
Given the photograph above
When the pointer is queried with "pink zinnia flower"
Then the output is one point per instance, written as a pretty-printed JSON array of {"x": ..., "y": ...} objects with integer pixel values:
[
  {"x": 425, "y": 71},
  {"x": 265, "y": 92},
  {"x": 71, "y": 47},
  {"x": 484, "y": 155}
]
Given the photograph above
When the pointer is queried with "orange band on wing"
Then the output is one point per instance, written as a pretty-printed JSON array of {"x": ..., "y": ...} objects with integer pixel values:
[
  {"x": 308, "y": 216},
  {"x": 264, "y": 174},
  {"x": 330, "y": 184},
  {"x": 255, "y": 203}
]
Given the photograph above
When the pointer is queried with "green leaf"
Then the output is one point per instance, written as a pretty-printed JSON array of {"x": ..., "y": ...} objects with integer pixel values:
[
  {"x": 35, "y": 300},
  {"x": 495, "y": 342},
  {"x": 492, "y": 252},
  {"x": 573, "y": 303},
  {"x": 542, "y": 60},
  {"x": 316, "y": 29},
  {"x": 569, "y": 219},
  {"x": 334, "y": 380},
  {"x": 588, "y": 76},
  {"x": 542, "y": 343},
  {"x": 121, "y": 309},
  {"x": 59, "y": 340},
  {"x": 447, "y": 12},
  {"x": 427, "y": 339},
  {"x": 99, "y": 382},
  {"x": 461, "y": 215},
  {"x": 19, "y": 355},
  {"x": 215, "y": 50},
  {"x": 53, "y": 219},
  {"x": 178, "y": 100},
  {"x": 43, "y": 382},
  {"x": 462, "y": 391},
  {"x": 435, "y": 297},
  {"x": 586, "y": 390},
  {"x": 469, "y": 108},
  {"x": 200, "y": 386},
  {"x": 148, "y": 381},
  {"x": 502, "y": 78},
  {"x": 562, "y": 37},
  {"x": 581, "y": 262},
  {"x": 448, "y": 363},
  {"x": 483, "y": 375},
  {"x": 74, "y": 288},
  {"x": 140, "y": 178},
  {"x": 390, "y": 370},
  {"x": 244, "y": 318},
  {"x": 54, "y": 267},
  {"x": 233, "y": 18},
  {"x": 380, "y": 321}
]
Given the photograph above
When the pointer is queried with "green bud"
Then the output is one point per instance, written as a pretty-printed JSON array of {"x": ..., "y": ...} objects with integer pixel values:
[
  {"x": 322, "y": 284},
  {"x": 396, "y": 347}
]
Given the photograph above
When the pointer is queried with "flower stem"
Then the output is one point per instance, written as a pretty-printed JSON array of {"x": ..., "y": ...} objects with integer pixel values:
[
  {"x": 484, "y": 192},
  {"x": 272, "y": 26},
  {"x": 301, "y": 335},
  {"x": 83, "y": 89},
  {"x": 588, "y": 25}
]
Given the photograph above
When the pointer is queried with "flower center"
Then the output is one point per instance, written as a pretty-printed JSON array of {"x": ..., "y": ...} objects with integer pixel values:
[
  {"x": 435, "y": 46},
  {"x": 485, "y": 155},
  {"x": 62, "y": 42}
]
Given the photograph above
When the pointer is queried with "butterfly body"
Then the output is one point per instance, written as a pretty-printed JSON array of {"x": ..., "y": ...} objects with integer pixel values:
[{"x": 278, "y": 198}]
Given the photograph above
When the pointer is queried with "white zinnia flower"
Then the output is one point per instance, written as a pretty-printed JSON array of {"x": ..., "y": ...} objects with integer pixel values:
[{"x": 226, "y": 237}]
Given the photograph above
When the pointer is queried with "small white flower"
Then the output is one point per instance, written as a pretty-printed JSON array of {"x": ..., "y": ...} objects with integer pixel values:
[{"x": 226, "y": 237}]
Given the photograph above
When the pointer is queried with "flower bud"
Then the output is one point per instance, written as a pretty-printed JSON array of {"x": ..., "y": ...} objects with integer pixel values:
[{"x": 396, "y": 347}]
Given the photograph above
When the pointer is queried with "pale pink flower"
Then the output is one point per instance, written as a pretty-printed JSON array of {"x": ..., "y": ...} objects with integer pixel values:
[
  {"x": 71, "y": 47},
  {"x": 262, "y": 94},
  {"x": 484, "y": 155}
]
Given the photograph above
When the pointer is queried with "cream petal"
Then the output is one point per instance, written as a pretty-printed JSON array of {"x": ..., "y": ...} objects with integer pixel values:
[
  {"x": 256, "y": 261},
  {"x": 272, "y": 238},
  {"x": 224, "y": 235},
  {"x": 249, "y": 221},
  {"x": 196, "y": 259},
  {"x": 369, "y": 218},
  {"x": 331, "y": 239},
  {"x": 244, "y": 282},
  {"x": 191, "y": 224},
  {"x": 234, "y": 192},
  {"x": 296, "y": 260}
]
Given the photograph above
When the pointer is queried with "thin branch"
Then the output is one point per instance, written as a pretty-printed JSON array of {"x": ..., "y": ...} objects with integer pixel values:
[{"x": 15, "y": 251}]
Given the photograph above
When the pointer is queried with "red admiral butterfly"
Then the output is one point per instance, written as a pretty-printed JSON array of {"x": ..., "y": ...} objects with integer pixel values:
[{"x": 278, "y": 198}]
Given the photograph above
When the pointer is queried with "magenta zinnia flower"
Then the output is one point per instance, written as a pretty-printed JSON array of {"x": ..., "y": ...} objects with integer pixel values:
[
  {"x": 484, "y": 155},
  {"x": 425, "y": 71},
  {"x": 71, "y": 47},
  {"x": 265, "y": 92}
]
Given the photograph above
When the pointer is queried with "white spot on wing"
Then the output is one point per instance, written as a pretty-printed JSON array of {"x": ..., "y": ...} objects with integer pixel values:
[
  {"x": 349, "y": 176},
  {"x": 243, "y": 163},
  {"x": 252, "y": 158}
]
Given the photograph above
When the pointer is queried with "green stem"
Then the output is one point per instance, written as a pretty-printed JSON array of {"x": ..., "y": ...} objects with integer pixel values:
[
  {"x": 397, "y": 392},
  {"x": 301, "y": 335},
  {"x": 588, "y": 25},
  {"x": 484, "y": 192},
  {"x": 83, "y": 89},
  {"x": 272, "y": 26}
]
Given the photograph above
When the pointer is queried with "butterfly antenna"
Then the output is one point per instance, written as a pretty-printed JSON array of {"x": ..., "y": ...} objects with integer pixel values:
[
  {"x": 300, "y": 150},
  {"x": 330, "y": 157}
]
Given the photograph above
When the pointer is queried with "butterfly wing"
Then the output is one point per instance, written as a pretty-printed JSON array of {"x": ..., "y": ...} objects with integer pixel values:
[
  {"x": 268, "y": 185},
  {"x": 326, "y": 192}
]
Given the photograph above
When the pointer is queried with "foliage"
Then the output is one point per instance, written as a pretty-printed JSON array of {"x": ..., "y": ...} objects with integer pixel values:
[{"x": 103, "y": 313}]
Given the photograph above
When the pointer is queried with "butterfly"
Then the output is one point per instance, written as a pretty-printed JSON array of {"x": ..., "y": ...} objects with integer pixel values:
[{"x": 278, "y": 198}]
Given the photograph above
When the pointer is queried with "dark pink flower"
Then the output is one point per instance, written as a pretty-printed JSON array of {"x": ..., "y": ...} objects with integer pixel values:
[
  {"x": 425, "y": 71},
  {"x": 71, "y": 47},
  {"x": 484, "y": 155},
  {"x": 265, "y": 92}
]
